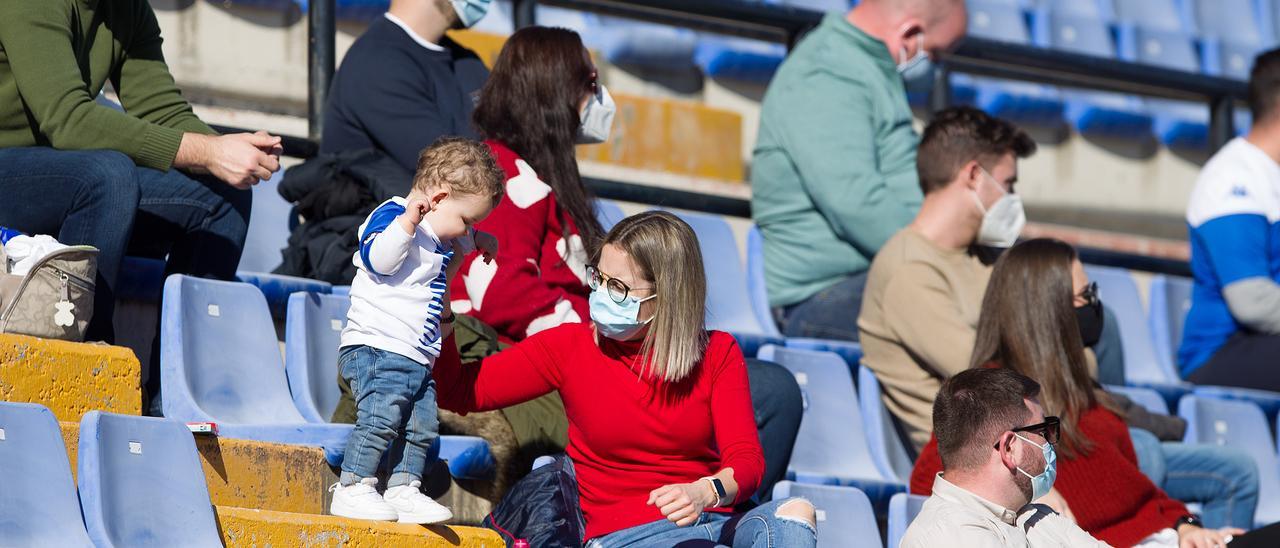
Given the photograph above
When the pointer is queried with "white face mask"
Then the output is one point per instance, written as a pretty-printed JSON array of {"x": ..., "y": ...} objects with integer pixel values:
[
  {"x": 597, "y": 118},
  {"x": 1004, "y": 221},
  {"x": 918, "y": 67}
]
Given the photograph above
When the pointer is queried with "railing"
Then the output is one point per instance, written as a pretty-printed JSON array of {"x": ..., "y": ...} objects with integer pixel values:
[{"x": 786, "y": 24}]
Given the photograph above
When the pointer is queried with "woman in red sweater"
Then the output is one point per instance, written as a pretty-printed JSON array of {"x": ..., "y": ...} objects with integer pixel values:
[
  {"x": 661, "y": 431},
  {"x": 1029, "y": 323},
  {"x": 541, "y": 99}
]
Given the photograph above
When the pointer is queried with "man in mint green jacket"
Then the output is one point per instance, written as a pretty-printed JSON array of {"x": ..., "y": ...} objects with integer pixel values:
[
  {"x": 834, "y": 169},
  {"x": 152, "y": 179}
]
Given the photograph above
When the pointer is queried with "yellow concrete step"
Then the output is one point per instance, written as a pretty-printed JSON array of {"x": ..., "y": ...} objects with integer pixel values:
[
  {"x": 251, "y": 528},
  {"x": 253, "y": 474},
  {"x": 69, "y": 378},
  {"x": 663, "y": 135}
]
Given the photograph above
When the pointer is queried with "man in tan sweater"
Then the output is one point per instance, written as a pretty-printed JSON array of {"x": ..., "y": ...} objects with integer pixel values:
[{"x": 925, "y": 286}]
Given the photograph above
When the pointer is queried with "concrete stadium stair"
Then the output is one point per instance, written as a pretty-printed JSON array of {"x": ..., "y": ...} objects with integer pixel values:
[
  {"x": 69, "y": 378},
  {"x": 246, "y": 527}
]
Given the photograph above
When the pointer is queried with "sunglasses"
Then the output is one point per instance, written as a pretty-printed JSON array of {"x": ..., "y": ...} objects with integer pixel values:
[{"x": 1050, "y": 430}]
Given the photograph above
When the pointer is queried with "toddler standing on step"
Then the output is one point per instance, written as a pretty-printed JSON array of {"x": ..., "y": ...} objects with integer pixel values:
[{"x": 397, "y": 322}]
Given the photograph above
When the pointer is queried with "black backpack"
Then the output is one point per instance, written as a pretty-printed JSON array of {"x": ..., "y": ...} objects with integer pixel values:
[{"x": 542, "y": 508}]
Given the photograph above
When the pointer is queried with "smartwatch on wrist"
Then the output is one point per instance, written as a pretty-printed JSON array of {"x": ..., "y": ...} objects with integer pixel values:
[
  {"x": 1188, "y": 519},
  {"x": 718, "y": 487}
]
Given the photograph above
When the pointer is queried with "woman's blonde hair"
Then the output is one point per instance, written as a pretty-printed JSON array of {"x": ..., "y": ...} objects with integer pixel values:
[{"x": 666, "y": 251}]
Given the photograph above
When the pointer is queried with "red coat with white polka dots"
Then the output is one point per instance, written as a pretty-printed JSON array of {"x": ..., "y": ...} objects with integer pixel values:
[{"x": 539, "y": 278}]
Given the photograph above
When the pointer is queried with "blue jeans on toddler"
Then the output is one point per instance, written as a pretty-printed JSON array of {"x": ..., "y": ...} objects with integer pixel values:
[
  {"x": 395, "y": 409},
  {"x": 758, "y": 528}
]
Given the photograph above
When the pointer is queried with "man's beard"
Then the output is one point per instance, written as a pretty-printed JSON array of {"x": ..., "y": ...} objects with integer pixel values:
[{"x": 1024, "y": 484}]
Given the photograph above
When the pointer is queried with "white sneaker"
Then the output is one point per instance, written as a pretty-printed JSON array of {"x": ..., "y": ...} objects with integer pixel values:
[
  {"x": 415, "y": 507},
  {"x": 360, "y": 501}
]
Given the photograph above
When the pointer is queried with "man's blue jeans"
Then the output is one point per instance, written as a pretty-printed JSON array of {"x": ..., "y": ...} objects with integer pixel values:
[
  {"x": 101, "y": 198},
  {"x": 395, "y": 408},
  {"x": 1223, "y": 480},
  {"x": 760, "y": 527},
  {"x": 829, "y": 314}
]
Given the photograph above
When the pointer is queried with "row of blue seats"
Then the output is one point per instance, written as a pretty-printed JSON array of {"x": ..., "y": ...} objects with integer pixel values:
[
  {"x": 220, "y": 362},
  {"x": 140, "y": 483}
]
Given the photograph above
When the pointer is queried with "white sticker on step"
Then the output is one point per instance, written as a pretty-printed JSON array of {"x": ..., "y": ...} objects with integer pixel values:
[
  {"x": 1, "y": 434},
  {"x": 818, "y": 513},
  {"x": 214, "y": 310},
  {"x": 336, "y": 324},
  {"x": 1220, "y": 426},
  {"x": 135, "y": 447}
]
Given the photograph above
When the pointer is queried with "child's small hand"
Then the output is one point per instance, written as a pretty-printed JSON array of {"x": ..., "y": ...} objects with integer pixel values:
[
  {"x": 414, "y": 211},
  {"x": 487, "y": 244}
]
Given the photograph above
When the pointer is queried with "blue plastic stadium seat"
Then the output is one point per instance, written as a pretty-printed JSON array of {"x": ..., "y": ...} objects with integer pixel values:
[
  {"x": 312, "y": 336},
  {"x": 738, "y": 58},
  {"x": 728, "y": 301},
  {"x": 887, "y": 447},
  {"x": 1165, "y": 15},
  {"x": 850, "y": 351},
  {"x": 1023, "y": 102},
  {"x": 141, "y": 483},
  {"x": 341, "y": 290},
  {"x": 220, "y": 362},
  {"x": 1234, "y": 21},
  {"x": 755, "y": 282},
  {"x": 845, "y": 517},
  {"x": 1227, "y": 59},
  {"x": 1119, "y": 292},
  {"x": 38, "y": 504},
  {"x": 831, "y": 447},
  {"x": 1268, "y": 401},
  {"x": 1243, "y": 426},
  {"x": 1146, "y": 397},
  {"x": 140, "y": 279},
  {"x": 1167, "y": 312},
  {"x": 1092, "y": 113},
  {"x": 903, "y": 509},
  {"x": 1178, "y": 124},
  {"x": 608, "y": 213},
  {"x": 313, "y": 331},
  {"x": 1102, "y": 10},
  {"x": 277, "y": 288},
  {"x": 270, "y": 221},
  {"x": 640, "y": 44}
]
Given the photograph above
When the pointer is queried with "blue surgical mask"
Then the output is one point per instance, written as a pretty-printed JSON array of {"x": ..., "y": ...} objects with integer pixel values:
[
  {"x": 470, "y": 12},
  {"x": 1043, "y": 482},
  {"x": 618, "y": 321},
  {"x": 917, "y": 68}
]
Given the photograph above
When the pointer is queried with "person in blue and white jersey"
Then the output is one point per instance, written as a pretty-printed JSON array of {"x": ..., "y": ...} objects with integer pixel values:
[
  {"x": 397, "y": 322},
  {"x": 1232, "y": 333}
]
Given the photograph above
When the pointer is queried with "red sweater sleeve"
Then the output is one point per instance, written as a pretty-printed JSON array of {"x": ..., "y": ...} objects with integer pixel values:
[
  {"x": 520, "y": 292},
  {"x": 516, "y": 375},
  {"x": 926, "y": 468},
  {"x": 733, "y": 421}
]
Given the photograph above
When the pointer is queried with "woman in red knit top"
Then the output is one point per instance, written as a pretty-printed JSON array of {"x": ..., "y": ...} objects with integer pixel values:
[
  {"x": 661, "y": 431},
  {"x": 1028, "y": 323},
  {"x": 530, "y": 112}
]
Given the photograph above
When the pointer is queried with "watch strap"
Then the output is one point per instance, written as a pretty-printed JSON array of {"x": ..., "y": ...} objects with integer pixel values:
[{"x": 717, "y": 486}]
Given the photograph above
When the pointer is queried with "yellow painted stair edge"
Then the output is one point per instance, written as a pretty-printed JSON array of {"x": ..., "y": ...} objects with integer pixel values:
[
  {"x": 254, "y": 528},
  {"x": 69, "y": 378}
]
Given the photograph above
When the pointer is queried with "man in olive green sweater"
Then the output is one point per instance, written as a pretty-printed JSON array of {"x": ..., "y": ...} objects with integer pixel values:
[
  {"x": 90, "y": 174},
  {"x": 834, "y": 172}
]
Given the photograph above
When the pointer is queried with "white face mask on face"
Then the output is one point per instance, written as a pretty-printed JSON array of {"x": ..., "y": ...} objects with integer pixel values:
[
  {"x": 1004, "y": 221},
  {"x": 597, "y": 118}
]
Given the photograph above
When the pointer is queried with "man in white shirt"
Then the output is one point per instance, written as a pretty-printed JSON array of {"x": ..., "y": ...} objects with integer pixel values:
[{"x": 997, "y": 456}]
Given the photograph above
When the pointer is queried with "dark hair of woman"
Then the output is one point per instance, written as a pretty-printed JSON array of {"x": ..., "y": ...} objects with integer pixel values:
[
  {"x": 530, "y": 104},
  {"x": 1028, "y": 324}
]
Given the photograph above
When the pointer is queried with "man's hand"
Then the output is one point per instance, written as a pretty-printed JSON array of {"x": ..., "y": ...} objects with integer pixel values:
[
  {"x": 1190, "y": 536},
  {"x": 1053, "y": 499},
  {"x": 487, "y": 244},
  {"x": 682, "y": 503},
  {"x": 414, "y": 211},
  {"x": 238, "y": 159}
]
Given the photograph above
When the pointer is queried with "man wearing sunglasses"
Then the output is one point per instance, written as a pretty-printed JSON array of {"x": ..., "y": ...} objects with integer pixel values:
[{"x": 997, "y": 458}]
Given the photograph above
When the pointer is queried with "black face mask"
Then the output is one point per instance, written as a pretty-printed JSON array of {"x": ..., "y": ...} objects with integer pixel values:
[{"x": 1089, "y": 317}]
